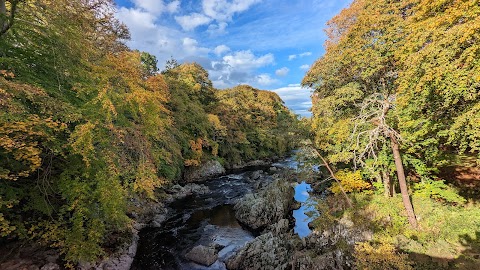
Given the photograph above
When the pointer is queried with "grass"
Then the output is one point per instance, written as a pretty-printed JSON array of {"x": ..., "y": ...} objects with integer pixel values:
[{"x": 448, "y": 236}]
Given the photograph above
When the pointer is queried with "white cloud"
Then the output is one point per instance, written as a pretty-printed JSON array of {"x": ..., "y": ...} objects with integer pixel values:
[
  {"x": 246, "y": 60},
  {"x": 217, "y": 29},
  {"x": 304, "y": 67},
  {"x": 136, "y": 18},
  {"x": 300, "y": 55},
  {"x": 223, "y": 10},
  {"x": 190, "y": 46},
  {"x": 239, "y": 67},
  {"x": 173, "y": 6},
  {"x": 157, "y": 7},
  {"x": 282, "y": 72},
  {"x": 296, "y": 98},
  {"x": 265, "y": 79},
  {"x": 221, "y": 49},
  {"x": 192, "y": 21}
]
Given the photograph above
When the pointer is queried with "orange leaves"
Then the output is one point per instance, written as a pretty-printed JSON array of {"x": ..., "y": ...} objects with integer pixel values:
[
  {"x": 196, "y": 146},
  {"x": 7, "y": 74}
]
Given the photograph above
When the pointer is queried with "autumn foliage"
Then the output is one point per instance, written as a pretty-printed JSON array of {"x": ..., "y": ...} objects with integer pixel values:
[{"x": 86, "y": 125}]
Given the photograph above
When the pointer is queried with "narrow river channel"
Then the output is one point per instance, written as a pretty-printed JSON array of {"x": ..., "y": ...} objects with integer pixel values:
[{"x": 209, "y": 218}]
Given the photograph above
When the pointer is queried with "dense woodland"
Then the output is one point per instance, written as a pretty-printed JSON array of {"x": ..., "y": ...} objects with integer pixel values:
[
  {"x": 396, "y": 102},
  {"x": 86, "y": 124}
]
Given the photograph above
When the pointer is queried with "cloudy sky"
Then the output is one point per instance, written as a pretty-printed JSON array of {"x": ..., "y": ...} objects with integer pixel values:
[{"x": 268, "y": 44}]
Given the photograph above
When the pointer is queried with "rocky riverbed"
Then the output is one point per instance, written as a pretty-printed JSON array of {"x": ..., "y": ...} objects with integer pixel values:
[{"x": 245, "y": 221}]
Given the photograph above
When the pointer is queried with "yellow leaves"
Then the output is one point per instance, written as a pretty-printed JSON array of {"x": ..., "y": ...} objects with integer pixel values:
[
  {"x": 351, "y": 182},
  {"x": 380, "y": 256},
  {"x": 21, "y": 140},
  {"x": 82, "y": 140},
  {"x": 196, "y": 146},
  {"x": 146, "y": 179}
]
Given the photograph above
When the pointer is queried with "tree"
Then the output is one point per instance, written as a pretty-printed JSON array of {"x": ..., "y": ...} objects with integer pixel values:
[
  {"x": 439, "y": 85},
  {"x": 149, "y": 63},
  {"x": 355, "y": 84},
  {"x": 7, "y": 18}
]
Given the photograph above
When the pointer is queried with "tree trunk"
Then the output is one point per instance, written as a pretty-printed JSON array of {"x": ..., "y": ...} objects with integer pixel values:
[
  {"x": 403, "y": 183},
  {"x": 6, "y": 20},
  {"x": 3, "y": 8},
  {"x": 387, "y": 184},
  {"x": 334, "y": 178}
]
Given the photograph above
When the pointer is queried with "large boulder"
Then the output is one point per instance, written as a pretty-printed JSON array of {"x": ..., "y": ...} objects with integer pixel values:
[
  {"x": 202, "y": 255},
  {"x": 267, "y": 207},
  {"x": 266, "y": 252},
  {"x": 204, "y": 171}
]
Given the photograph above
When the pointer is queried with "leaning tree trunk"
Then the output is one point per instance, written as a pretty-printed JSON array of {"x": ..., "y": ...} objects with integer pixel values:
[{"x": 403, "y": 183}]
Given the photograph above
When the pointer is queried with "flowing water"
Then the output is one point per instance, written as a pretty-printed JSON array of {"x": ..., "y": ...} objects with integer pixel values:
[{"x": 208, "y": 219}]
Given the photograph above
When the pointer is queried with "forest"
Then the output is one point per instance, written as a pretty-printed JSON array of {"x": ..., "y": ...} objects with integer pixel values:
[
  {"x": 396, "y": 108},
  {"x": 86, "y": 124},
  {"x": 90, "y": 127}
]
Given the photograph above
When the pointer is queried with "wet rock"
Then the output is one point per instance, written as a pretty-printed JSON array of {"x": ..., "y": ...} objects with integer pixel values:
[
  {"x": 268, "y": 206},
  {"x": 273, "y": 169},
  {"x": 209, "y": 169},
  {"x": 256, "y": 175},
  {"x": 202, "y": 255},
  {"x": 180, "y": 192}
]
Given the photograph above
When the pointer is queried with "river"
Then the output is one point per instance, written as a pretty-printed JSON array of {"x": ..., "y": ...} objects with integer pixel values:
[{"x": 210, "y": 218}]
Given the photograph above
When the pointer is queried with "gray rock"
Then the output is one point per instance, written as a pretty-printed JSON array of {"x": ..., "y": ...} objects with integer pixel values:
[
  {"x": 280, "y": 227},
  {"x": 120, "y": 261},
  {"x": 256, "y": 175},
  {"x": 158, "y": 220},
  {"x": 267, "y": 207},
  {"x": 267, "y": 251},
  {"x": 209, "y": 169},
  {"x": 202, "y": 255}
]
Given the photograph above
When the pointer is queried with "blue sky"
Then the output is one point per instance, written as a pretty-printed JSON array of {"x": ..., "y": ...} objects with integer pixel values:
[{"x": 264, "y": 43}]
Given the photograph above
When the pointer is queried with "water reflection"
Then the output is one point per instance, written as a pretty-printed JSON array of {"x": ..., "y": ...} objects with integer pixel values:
[{"x": 307, "y": 206}]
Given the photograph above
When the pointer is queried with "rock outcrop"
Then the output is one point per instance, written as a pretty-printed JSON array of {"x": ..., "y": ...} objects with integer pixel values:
[
  {"x": 209, "y": 169},
  {"x": 268, "y": 206},
  {"x": 268, "y": 251}
]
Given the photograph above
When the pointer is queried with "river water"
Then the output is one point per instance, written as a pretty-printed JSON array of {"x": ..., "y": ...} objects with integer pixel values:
[{"x": 209, "y": 219}]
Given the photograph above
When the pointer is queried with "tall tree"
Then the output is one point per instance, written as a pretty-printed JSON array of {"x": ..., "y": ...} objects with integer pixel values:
[{"x": 355, "y": 88}]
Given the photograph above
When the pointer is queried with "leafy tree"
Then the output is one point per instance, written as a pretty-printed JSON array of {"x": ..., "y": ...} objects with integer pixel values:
[
  {"x": 355, "y": 88},
  {"x": 149, "y": 63},
  {"x": 439, "y": 86}
]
